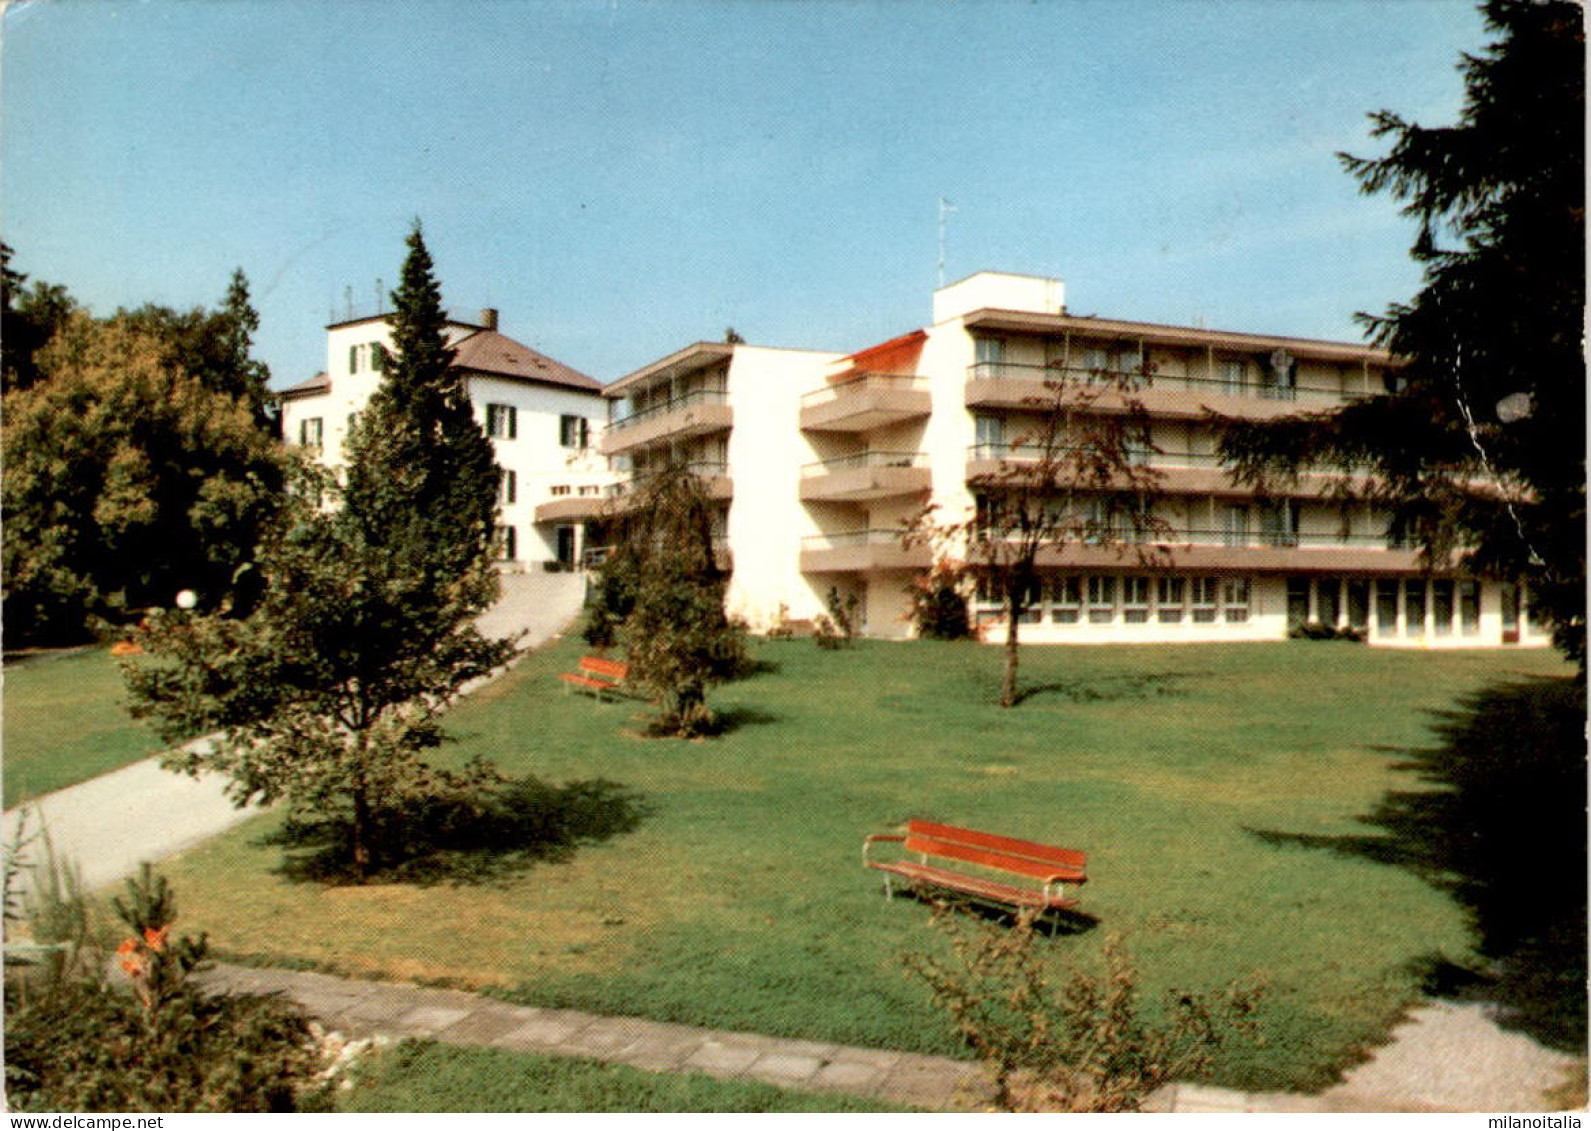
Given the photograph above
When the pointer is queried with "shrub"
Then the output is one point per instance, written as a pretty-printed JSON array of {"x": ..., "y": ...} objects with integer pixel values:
[
  {"x": 1081, "y": 1045},
  {"x": 939, "y": 609},
  {"x": 73, "y": 1042},
  {"x": 838, "y": 628},
  {"x": 1315, "y": 630}
]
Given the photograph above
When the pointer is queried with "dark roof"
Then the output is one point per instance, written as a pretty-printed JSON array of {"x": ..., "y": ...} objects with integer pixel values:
[
  {"x": 487, "y": 351},
  {"x": 314, "y": 387}
]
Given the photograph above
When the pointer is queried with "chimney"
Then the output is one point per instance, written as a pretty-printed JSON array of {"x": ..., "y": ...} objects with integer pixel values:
[{"x": 489, "y": 318}]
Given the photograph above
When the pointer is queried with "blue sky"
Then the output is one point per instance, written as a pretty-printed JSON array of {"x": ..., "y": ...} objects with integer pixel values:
[{"x": 622, "y": 178}]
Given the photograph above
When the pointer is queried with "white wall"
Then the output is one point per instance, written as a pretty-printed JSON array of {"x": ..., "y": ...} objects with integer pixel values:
[{"x": 766, "y": 453}]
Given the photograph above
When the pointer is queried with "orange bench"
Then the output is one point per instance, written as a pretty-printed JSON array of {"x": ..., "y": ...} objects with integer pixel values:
[
  {"x": 598, "y": 677},
  {"x": 999, "y": 865}
]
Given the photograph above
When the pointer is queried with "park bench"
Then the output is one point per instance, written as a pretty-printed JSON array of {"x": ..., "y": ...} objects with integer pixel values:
[
  {"x": 599, "y": 677},
  {"x": 981, "y": 866}
]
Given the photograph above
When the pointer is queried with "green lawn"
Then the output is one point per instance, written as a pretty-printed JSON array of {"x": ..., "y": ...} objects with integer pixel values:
[
  {"x": 422, "y": 1076},
  {"x": 65, "y": 723},
  {"x": 1199, "y": 779}
]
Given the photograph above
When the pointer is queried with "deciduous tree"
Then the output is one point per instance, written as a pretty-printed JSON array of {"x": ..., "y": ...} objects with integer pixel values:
[
  {"x": 135, "y": 466},
  {"x": 1069, "y": 475}
]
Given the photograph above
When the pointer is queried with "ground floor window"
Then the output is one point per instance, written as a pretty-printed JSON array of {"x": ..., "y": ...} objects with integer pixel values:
[{"x": 507, "y": 544}]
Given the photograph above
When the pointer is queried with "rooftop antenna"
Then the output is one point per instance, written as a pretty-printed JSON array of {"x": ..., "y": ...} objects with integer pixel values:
[
  {"x": 381, "y": 300},
  {"x": 945, "y": 209},
  {"x": 348, "y": 302}
]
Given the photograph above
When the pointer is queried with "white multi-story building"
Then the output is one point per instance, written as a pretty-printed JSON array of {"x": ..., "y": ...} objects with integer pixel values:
[
  {"x": 819, "y": 459},
  {"x": 544, "y": 419}
]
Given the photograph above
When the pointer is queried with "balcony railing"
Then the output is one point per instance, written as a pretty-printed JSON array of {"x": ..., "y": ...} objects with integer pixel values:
[
  {"x": 865, "y": 459},
  {"x": 1038, "y": 374},
  {"x": 893, "y": 382},
  {"x": 652, "y": 412},
  {"x": 851, "y": 539}
]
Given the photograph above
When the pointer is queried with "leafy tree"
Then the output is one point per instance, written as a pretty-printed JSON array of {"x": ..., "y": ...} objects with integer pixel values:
[
  {"x": 1069, "y": 477},
  {"x": 1480, "y": 449},
  {"x": 678, "y": 640},
  {"x": 133, "y": 469},
  {"x": 29, "y": 318},
  {"x": 330, "y": 693}
]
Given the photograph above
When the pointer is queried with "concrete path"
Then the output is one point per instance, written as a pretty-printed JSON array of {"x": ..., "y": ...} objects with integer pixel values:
[
  {"x": 1447, "y": 1059},
  {"x": 110, "y": 824}
]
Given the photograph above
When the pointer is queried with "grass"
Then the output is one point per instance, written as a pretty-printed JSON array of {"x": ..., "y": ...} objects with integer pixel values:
[
  {"x": 1194, "y": 777},
  {"x": 423, "y": 1076},
  {"x": 65, "y": 722}
]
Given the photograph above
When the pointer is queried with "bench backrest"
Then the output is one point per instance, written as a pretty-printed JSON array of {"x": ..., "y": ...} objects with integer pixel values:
[
  {"x": 1002, "y": 852},
  {"x": 612, "y": 669}
]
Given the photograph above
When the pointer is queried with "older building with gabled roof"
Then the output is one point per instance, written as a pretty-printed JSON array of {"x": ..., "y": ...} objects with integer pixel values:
[{"x": 544, "y": 419}]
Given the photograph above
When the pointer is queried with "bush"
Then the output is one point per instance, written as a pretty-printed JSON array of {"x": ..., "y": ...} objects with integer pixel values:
[
  {"x": 838, "y": 628},
  {"x": 73, "y": 1042},
  {"x": 1315, "y": 630},
  {"x": 939, "y": 610},
  {"x": 1079, "y": 1046}
]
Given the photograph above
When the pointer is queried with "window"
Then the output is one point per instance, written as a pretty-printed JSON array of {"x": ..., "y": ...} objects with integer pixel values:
[
  {"x": 1297, "y": 602},
  {"x": 589, "y": 490},
  {"x": 507, "y": 544},
  {"x": 1168, "y": 599},
  {"x": 1469, "y": 607},
  {"x": 310, "y": 432},
  {"x": 1233, "y": 378},
  {"x": 508, "y": 489},
  {"x": 1234, "y": 599},
  {"x": 501, "y": 421},
  {"x": 1442, "y": 607},
  {"x": 989, "y": 435},
  {"x": 574, "y": 432},
  {"x": 353, "y": 359},
  {"x": 1279, "y": 524},
  {"x": 1386, "y": 607},
  {"x": 1096, "y": 359},
  {"x": 1414, "y": 608},
  {"x": 1101, "y": 599},
  {"x": 559, "y": 490},
  {"x": 1328, "y": 601},
  {"x": 1066, "y": 599},
  {"x": 1203, "y": 599},
  {"x": 378, "y": 357},
  {"x": 1135, "y": 600},
  {"x": 988, "y": 353},
  {"x": 1358, "y": 605},
  {"x": 1234, "y": 526}
]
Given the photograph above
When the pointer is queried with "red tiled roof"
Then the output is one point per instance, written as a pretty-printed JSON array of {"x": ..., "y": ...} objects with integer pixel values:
[{"x": 487, "y": 351}]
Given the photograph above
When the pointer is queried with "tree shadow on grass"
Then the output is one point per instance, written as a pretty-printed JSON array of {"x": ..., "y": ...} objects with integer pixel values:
[
  {"x": 486, "y": 838},
  {"x": 1499, "y": 821},
  {"x": 1108, "y": 688}
]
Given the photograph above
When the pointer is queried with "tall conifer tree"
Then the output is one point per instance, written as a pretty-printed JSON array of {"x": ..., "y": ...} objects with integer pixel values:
[
  {"x": 331, "y": 691},
  {"x": 1481, "y": 446}
]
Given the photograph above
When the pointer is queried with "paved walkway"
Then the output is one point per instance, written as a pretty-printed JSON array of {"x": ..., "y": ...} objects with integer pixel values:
[
  {"x": 1459, "y": 1072},
  {"x": 109, "y": 824}
]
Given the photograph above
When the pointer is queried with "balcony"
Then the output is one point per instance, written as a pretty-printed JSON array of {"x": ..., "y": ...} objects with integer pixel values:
[
  {"x": 867, "y": 476},
  {"x": 865, "y": 402},
  {"x": 694, "y": 414},
  {"x": 859, "y": 551},
  {"x": 1178, "y": 473},
  {"x": 1195, "y": 548},
  {"x": 1004, "y": 385}
]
